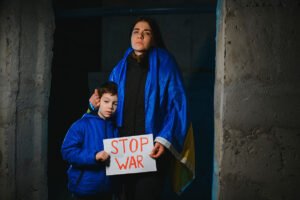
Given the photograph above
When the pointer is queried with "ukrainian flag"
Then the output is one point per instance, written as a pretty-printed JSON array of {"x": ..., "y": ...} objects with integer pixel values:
[
  {"x": 166, "y": 111},
  {"x": 183, "y": 172}
]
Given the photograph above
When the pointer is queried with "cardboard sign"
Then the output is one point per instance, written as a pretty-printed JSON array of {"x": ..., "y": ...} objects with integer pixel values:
[{"x": 130, "y": 154}]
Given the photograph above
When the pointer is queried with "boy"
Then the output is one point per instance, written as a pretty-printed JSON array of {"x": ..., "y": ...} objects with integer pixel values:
[{"x": 82, "y": 148}]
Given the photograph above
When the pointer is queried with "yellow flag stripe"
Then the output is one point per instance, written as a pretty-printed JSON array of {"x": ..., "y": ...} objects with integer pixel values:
[{"x": 183, "y": 172}]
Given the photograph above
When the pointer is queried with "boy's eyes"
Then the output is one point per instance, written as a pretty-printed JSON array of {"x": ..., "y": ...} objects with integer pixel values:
[{"x": 115, "y": 103}]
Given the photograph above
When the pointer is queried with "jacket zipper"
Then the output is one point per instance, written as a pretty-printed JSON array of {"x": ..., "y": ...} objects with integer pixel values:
[{"x": 79, "y": 178}]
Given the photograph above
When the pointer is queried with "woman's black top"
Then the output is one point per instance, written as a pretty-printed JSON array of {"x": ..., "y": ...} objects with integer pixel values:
[{"x": 134, "y": 103}]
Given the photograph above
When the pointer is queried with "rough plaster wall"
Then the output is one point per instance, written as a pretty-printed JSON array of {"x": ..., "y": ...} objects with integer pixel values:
[
  {"x": 259, "y": 130},
  {"x": 9, "y": 62},
  {"x": 25, "y": 62}
]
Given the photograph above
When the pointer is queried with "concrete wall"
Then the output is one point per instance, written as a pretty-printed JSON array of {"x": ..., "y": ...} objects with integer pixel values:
[
  {"x": 257, "y": 100},
  {"x": 26, "y": 30}
]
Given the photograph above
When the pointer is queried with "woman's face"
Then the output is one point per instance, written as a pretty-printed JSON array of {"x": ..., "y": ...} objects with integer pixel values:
[{"x": 141, "y": 37}]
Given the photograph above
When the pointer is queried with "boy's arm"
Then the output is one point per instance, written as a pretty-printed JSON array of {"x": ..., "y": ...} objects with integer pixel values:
[
  {"x": 72, "y": 150},
  {"x": 102, "y": 156}
]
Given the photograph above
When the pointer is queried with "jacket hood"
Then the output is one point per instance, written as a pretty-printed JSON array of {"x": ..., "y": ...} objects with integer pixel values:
[
  {"x": 89, "y": 115},
  {"x": 96, "y": 116}
]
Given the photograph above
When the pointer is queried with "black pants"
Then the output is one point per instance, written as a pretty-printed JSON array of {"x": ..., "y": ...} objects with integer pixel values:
[
  {"x": 145, "y": 186},
  {"x": 104, "y": 196}
]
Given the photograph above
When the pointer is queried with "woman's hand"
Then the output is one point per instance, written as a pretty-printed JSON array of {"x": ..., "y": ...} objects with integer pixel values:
[
  {"x": 157, "y": 150},
  {"x": 102, "y": 156},
  {"x": 95, "y": 100}
]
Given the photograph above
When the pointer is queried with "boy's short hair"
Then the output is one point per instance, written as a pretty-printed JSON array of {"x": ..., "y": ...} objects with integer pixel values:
[{"x": 108, "y": 87}]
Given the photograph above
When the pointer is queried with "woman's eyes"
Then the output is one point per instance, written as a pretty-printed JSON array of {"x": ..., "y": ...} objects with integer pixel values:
[{"x": 136, "y": 32}]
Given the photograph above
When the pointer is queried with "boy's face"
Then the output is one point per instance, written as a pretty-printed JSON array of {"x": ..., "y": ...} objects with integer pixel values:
[{"x": 108, "y": 105}]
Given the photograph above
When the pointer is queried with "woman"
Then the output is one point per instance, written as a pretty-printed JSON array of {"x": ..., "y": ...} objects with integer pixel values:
[{"x": 152, "y": 100}]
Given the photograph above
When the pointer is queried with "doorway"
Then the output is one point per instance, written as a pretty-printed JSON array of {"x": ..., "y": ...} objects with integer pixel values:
[{"x": 79, "y": 60}]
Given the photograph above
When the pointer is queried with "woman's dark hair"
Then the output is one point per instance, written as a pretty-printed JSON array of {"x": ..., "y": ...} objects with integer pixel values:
[
  {"x": 156, "y": 34},
  {"x": 108, "y": 87}
]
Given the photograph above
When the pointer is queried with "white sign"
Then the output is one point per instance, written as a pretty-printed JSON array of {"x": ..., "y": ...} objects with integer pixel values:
[{"x": 130, "y": 154}]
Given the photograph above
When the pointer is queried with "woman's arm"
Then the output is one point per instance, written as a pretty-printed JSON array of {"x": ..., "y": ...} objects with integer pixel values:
[
  {"x": 94, "y": 100},
  {"x": 157, "y": 150}
]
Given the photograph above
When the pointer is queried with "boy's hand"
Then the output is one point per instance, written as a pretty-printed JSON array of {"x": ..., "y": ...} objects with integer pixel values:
[
  {"x": 157, "y": 150},
  {"x": 94, "y": 99},
  {"x": 102, "y": 156}
]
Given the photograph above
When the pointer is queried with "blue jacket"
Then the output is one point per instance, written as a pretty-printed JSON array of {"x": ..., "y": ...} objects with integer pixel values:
[
  {"x": 165, "y": 99},
  {"x": 83, "y": 140},
  {"x": 166, "y": 110}
]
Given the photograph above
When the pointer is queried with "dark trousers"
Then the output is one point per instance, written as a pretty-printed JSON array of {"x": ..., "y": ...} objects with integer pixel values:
[
  {"x": 104, "y": 196},
  {"x": 145, "y": 186}
]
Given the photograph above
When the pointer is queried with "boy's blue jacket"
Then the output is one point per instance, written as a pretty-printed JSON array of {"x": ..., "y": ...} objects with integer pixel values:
[{"x": 83, "y": 140}]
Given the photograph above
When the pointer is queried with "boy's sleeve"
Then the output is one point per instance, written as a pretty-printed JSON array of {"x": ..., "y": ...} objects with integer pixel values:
[
  {"x": 91, "y": 108},
  {"x": 72, "y": 150}
]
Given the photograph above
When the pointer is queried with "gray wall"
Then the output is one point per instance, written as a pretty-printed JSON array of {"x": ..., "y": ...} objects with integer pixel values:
[
  {"x": 25, "y": 58},
  {"x": 257, "y": 100}
]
